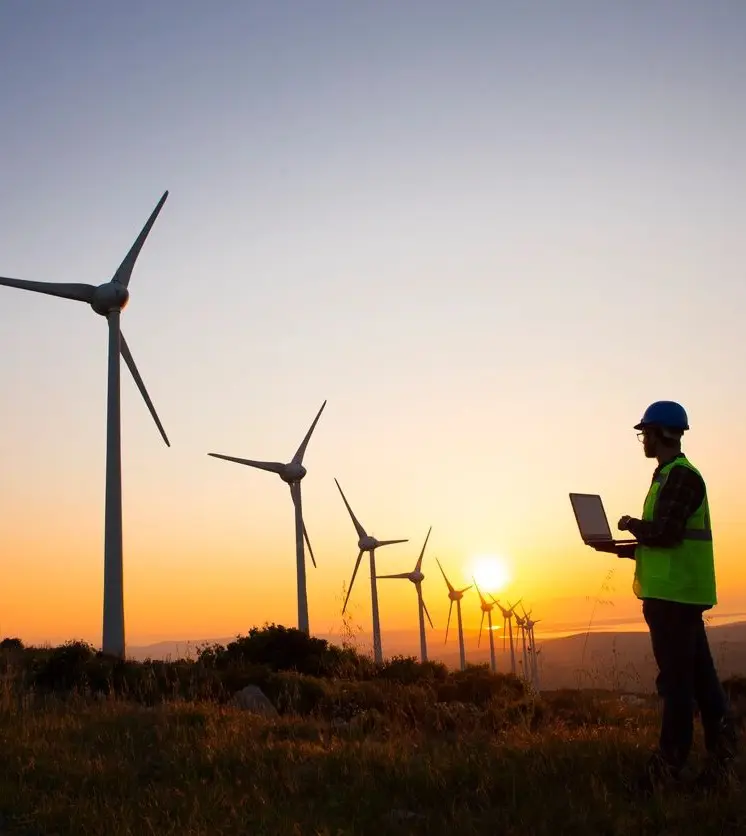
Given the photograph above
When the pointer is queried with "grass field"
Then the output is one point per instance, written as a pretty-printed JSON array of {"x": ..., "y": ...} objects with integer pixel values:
[
  {"x": 115, "y": 768},
  {"x": 405, "y": 749}
]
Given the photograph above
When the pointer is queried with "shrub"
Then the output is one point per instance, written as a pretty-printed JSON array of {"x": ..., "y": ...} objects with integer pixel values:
[
  {"x": 408, "y": 671},
  {"x": 478, "y": 685},
  {"x": 65, "y": 667}
]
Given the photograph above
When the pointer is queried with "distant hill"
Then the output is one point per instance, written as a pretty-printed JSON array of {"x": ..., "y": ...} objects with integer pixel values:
[{"x": 618, "y": 660}]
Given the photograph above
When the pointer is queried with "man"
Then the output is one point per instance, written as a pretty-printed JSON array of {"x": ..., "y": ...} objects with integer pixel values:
[{"x": 675, "y": 579}]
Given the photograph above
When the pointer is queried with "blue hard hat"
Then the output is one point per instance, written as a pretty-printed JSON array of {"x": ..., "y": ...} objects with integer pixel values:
[{"x": 667, "y": 414}]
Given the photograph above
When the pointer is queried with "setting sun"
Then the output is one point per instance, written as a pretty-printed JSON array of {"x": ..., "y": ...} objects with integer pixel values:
[{"x": 490, "y": 572}]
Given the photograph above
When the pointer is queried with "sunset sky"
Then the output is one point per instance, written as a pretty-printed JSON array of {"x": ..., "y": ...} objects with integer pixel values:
[{"x": 488, "y": 233}]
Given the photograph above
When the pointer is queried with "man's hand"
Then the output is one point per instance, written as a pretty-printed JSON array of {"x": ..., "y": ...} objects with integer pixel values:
[
  {"x": 623, "y": 524},
  {"x": 619, "y": 549},
  {"x": 609, "y": 547}
]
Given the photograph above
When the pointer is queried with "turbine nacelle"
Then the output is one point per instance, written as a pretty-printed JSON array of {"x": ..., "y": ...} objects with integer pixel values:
[
  {"x": 416, "y": 576},
  {"x": 368, "y": 543},
  {"x": 108, "y": 297},
  {"x": 457, "y": 594},
  {"x": 486, "y": 607},
  {"x": 292, "y": 472}
]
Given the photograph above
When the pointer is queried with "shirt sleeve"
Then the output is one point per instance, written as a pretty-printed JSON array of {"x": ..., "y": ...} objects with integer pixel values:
[{"x": 681, "y": 495}]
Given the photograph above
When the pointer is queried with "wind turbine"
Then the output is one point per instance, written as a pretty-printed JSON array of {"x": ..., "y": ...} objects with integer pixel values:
[
  {"x": 109, "y": 300},
  {"x": 529, "y": 626},
  {"x": 416, "y": 577},
  {"x": 486, "y": 611},
  {"x": 522, "y": 627},
  {"x": 291, "y": 473},
  {"x": 508, "y": 621},
  {"x": 456, "y": 595},
  {"x": 367, "y": 543}
]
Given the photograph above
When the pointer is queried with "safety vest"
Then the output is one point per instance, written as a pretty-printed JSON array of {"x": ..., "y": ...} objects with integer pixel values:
[{"x": 685, "y": 572}]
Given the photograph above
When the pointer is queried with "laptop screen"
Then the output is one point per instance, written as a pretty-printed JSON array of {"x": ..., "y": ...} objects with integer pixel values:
[{"x": 591, "y": 517}]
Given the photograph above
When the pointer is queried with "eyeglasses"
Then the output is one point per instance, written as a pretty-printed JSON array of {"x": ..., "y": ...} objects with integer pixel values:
[{"x": 641, "y": 437}]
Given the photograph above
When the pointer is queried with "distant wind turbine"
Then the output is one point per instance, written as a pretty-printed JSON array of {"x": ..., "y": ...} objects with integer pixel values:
[
  {"x": 416, "y": 577},
  {"x": 456, "y": 595},
  {"x": 291, "y": 473},
  {"x": 508, "y": 615},
  {"x": 529, "y": 626},
  {"x": 522, "y": 627},
  {"x": 486, "y": 611},
  {"x": 367, "y": 543},
  {"x": 109, "y": 300}
]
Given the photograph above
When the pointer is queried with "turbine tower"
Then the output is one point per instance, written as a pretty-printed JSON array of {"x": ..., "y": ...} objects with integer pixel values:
[
  {"x": 109, "y": 300},
  {"x": 522, "y": 627},
  {"x": 416, "y": 577},
  {"x": 508, "y": 621},
  {"x": 486, "y": 611},
  {"x": 529, "y": 626},
  {"x": 291, "y": 473},
  {"x": 367, "y": 543},
  {"x": 456, "y": 595}
]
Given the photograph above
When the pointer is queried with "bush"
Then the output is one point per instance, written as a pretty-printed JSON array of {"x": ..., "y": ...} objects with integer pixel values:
[
  {"x": 280, "y": 649},
  {"x": 478, "y": 685},
  {"x": 408, "y": 671},
  {"x": 65, "y": 667}
]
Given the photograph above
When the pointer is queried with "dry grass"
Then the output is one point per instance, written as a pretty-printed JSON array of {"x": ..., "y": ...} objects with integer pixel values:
[{"x": 112, "y": 768}]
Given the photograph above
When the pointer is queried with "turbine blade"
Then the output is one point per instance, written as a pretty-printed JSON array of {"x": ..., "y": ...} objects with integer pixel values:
[
  {"x": 465, "y": 589},
  {"x": 79, "y": 292},
  {"x": 400, "y": 575},
  {"x": 360, "y": 530},
  {"x": 422, "y": 553},
  {"x": 390, "y": 542},
  {"x": 448, "y": 623},
  {"x": 448, "y": 583},
  {"x": 349, "y": 590},
  {"x": 424, "y": 607},
  {"x": 308, "y": 543},
  {"x": 481, "y": 597},
  {"x": 272, "y": 467},
  {"x": 128, "y": 359},
  {"x": 122, "y": 276},
  {"x": 298, "y": 457},
  {"x": 297, "y": 502},
  {"x": 481, "y": 625}
]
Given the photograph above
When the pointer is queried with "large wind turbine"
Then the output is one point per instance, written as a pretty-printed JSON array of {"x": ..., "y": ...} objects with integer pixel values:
[
  {"x": 291, "y": 473},
  {"x": 486, "y": 611},
  {"x": 109, "y": 299},
  {"x": 455, "y": 595},
  {"x": 508, "y": 615},
  {"x": 416, "y": 577},
  {"x": 367, "y": 543}
]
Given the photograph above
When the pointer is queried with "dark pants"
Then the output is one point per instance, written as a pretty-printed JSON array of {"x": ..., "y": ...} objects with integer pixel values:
[{"x": 686, "y": 676}]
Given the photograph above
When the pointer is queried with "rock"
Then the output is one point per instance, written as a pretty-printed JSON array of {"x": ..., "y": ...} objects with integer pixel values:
[
  {"x": 633, "y": 700},
  {"x": 253, "y": 699}
]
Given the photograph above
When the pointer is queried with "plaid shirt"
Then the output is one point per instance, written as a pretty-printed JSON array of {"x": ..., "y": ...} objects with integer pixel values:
[{"x": 682, "y": 493}]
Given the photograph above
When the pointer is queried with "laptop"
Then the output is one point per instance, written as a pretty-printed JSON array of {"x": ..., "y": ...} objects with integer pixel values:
[{"x": 592, "y": 520}]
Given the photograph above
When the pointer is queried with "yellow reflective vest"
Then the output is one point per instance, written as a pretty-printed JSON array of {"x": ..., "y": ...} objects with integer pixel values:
[{"x": 684, "y": 572}]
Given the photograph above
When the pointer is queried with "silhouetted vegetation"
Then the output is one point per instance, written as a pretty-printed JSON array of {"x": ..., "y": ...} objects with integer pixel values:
[{"x": 98, "y": 745}]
